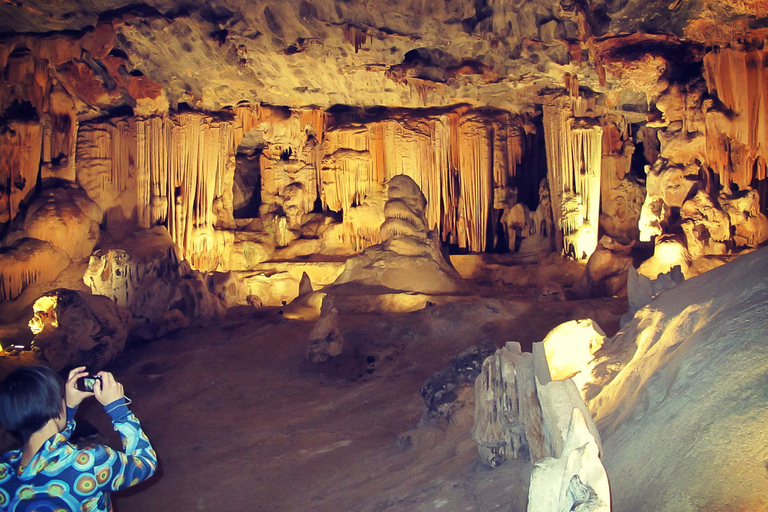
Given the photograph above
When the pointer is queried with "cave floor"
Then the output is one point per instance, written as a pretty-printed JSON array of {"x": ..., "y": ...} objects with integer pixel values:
[{"x": 241, "y": 422}]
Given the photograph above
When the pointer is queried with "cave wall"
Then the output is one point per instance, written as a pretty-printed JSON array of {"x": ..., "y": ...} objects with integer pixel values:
[{"x": 144, "y": 110}]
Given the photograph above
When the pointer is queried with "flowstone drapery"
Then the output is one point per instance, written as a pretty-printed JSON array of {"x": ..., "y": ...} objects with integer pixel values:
[{"x": 574, "y": 171}]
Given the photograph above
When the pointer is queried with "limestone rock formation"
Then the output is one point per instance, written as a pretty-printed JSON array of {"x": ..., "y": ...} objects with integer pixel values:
[
  {"x": 150, "y": 281},
  {"x": 73, "y": 328},
  {"x": 641, "y": 290},
  {"x": 67, "y": 219},
  {"x": 410, "y": 257},
  {"x": 508, "y": 421},
  {"x": 26, "y": 262},
  {"x": 688, "y": 395},
  {"x": 606, "y": 270},
  {"x": 139, "y": 279},
  {"x": 575, "y": 481},
  {"x": 325, "y": 339},
  {"x": 570, "y": 348}
]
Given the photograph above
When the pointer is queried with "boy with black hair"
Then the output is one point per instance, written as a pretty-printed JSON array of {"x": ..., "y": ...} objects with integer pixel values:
[{"x": 49, "y": 473}]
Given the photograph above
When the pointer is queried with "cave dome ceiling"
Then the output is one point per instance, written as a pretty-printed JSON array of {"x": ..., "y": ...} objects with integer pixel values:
[{"x": 403, "y": 53}]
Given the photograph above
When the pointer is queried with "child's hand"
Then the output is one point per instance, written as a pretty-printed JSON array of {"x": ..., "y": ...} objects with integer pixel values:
[
  {"x": 107, "y": 389},
  {"x": 73, "y": 395}
]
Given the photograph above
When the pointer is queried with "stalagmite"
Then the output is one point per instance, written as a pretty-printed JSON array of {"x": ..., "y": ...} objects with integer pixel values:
[
  {"x": 459, "y": 159},
  {"x": 508, "y": 421}
]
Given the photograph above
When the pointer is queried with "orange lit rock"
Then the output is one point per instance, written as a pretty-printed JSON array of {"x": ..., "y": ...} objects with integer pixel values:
[
  {"x": 749, "y": 224},
  {"x": 20, "y": 149},
  {"x": 66, "y": 218},
  {"x": 26, "y": 262},
  {"x": 606, "y": 270}
]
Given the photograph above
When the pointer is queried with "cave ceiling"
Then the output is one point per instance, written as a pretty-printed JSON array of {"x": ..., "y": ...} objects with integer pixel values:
[{"x": 404, "y": 53}]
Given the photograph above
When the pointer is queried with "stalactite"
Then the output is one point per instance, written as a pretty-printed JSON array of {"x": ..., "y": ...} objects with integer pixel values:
[
  {"x": 737, "y": 141},
  {"x": 456, "y": 158},
  {"x": 423, "y": 87},
  {"x": 574, "y": 168},
  {"x": 355, "y": 36},
  {"x": 181, "y": 167},
  {"x": 105, "y": 156},
  {"x": 20, "y": 148},
  {"x": 476, "y": 181}
]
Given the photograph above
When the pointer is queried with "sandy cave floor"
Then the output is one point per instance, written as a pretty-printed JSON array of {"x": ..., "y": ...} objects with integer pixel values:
[{"x": 242, "y": 423}]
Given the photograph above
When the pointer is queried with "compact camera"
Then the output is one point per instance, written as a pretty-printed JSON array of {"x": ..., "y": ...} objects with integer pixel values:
[{"x": 86, "y": 383}]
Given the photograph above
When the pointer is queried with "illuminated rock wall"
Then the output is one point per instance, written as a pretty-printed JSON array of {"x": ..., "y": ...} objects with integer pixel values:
[
  {"x": 462, "y": 160},
  {"x": 737, "y": 139},
  {"x": 182, "y": 167}
]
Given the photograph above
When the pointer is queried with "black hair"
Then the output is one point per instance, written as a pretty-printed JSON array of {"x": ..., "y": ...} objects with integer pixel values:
[{"x": 29, "y": 397}]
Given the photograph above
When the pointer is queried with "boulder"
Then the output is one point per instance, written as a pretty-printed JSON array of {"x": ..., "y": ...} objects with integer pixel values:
[
  {"x": 74, "y": 328},
  {"x": 139, "y": 275},
  {"x": 570, "y": 347},
  {"x": 606, "y": 270}
]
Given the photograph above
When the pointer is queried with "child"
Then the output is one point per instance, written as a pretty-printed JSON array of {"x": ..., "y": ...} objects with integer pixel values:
[{"x": 49, "y": 473}]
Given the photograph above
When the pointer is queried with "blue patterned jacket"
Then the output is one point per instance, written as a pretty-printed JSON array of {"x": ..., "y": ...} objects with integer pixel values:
[{"x": 61, "y": 476}]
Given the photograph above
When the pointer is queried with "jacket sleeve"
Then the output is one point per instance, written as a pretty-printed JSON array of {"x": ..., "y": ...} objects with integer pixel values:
[{"x": 114, "y": 470}]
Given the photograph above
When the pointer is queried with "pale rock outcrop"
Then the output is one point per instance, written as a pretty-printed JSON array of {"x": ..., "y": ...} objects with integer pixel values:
[
  {"x": 66, "y": 218},
  {"x": 73, "y": 328},
  {"x": 559, "y": 400},
  {"x": 570, "y": 348},
  {"x": 27, "y": 261},
  {"x": 410, "y": 257},
  {"x": 508, "y": 420},
  {"x": 688, "y": 400},
  {"x": 575, "y": 481},
  {"x": 520, "y": 412},
  {"x": 641, "y": 290}
]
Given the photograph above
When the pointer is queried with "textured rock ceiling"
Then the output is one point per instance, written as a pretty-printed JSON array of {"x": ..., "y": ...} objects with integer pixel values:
[{"x": 409, "y": 53}]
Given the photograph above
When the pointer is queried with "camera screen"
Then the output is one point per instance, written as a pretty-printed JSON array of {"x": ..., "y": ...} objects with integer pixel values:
[{"x": 86, "y": 383}]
